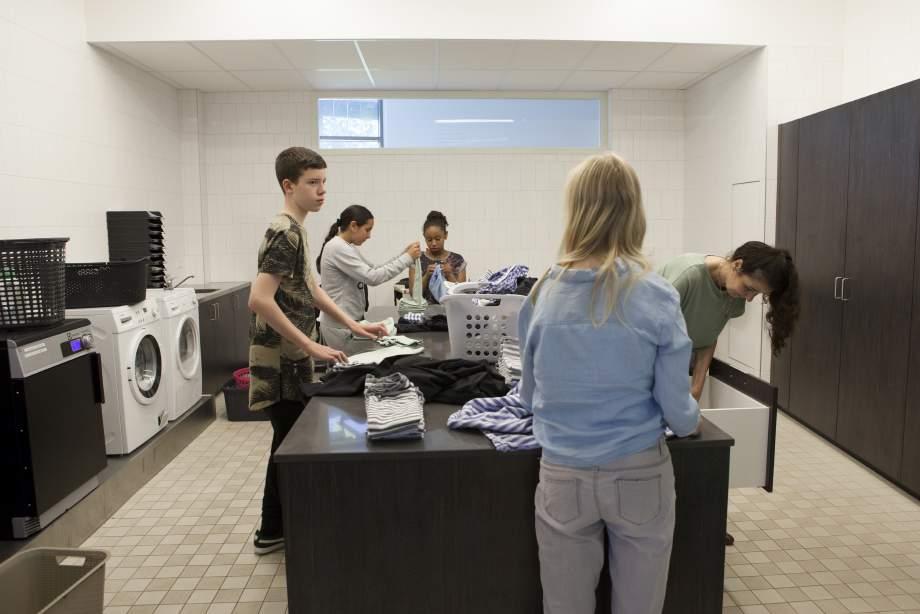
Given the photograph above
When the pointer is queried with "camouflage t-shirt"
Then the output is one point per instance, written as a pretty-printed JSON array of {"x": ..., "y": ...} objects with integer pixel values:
[{"x": 277, "y": 367}]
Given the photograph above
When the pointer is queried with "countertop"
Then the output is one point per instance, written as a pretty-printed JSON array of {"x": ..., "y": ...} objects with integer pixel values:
[
  {"x": 221, "y": 288},
  {"x": 333, "y": 428}
]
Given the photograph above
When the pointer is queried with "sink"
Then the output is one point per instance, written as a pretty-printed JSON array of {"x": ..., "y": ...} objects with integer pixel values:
[{"x": 205, "y": 290}]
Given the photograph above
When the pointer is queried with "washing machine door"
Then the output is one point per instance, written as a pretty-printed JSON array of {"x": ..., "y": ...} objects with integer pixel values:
[
  {"x": 188, "y": 347},
  {"x": 145, "y": 371}
]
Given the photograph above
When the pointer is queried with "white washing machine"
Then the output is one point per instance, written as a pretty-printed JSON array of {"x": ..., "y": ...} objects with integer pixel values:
[
  {"x": 182, "y": 355},
  {"x": 131, "y": 340}
]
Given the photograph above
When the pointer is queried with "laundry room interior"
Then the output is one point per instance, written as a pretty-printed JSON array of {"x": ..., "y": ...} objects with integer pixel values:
[{"x": 484, "y": 307}]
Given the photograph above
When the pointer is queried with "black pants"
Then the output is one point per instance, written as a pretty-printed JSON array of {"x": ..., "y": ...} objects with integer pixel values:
[{"x": 283, "y": 416}]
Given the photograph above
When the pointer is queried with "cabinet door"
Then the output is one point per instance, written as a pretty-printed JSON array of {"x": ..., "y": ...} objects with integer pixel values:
[
  {"x": 210, "y": 347},
  {"x": 880, "y": 248},
  {"x": 786, "y": 206},
  {"x": 823, "y": 160},
  {"x": 241, "y": 319}
]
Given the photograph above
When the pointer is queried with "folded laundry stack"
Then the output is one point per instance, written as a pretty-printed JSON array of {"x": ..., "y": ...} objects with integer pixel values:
[
  {"x": 509, "y": 361},
  {"x": 394, "y": 408}
]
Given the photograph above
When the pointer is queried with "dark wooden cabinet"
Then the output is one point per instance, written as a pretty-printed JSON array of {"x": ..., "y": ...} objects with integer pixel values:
[
  {"x": 820, "y": 223},
  {"x": 853, "y": 369},
  {"x": 878, "y": 285},
  {"x": 786, "y": 206},
  {"x": 224, "y": 323}
]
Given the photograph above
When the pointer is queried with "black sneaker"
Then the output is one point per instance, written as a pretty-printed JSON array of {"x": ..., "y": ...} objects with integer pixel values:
[{"x": 264, "y": 545}]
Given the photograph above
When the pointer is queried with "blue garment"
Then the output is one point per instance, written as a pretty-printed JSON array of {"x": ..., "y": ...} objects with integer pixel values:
[
  {"x": 506, "y": 421},
  {"x": 436, "y": 284},
  {"x": 602, "y": 393},
  {"x": 503, "y": 281}
]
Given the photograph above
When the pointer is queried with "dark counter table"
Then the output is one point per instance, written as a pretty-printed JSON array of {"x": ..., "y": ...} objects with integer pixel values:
[{"x": 446, "y": 524}]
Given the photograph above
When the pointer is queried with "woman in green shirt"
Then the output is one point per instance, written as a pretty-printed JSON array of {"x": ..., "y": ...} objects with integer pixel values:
[{"x": 713, "y": 290}]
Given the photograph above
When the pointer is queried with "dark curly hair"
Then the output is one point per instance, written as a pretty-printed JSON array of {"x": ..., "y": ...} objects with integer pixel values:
[
  {"x": 774, "y": 266},
  {"x": 436, "y": 219}
]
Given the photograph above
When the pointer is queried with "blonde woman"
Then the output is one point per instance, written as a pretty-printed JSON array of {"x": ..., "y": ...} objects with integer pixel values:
[{"x": 604, "y": 356}]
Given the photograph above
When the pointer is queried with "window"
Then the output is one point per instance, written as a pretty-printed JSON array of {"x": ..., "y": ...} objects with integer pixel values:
[
  {"x": 461, "y": 122},
  {"x": 350, "y": 124}
]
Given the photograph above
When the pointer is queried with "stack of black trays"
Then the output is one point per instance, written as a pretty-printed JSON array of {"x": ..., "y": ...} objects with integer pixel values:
[{"x": 139, "y": 234}]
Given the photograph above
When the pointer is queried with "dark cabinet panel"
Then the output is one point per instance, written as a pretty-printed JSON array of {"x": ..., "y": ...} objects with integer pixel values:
[
  {"x": 878, "y": 289},
  {"x": 224, "y": 322},
  {"x": 786, "y": 207},
  {"x": 821, "y": 208}
]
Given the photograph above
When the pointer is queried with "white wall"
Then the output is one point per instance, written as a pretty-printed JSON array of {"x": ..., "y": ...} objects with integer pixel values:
[
  {"x": 725, "y": 181},
  {"x": 80, "y": 133},
  {"x": 503, "y": 206},
  {"x": 711, "y": 21},
  {"x": 881, "y": 48},
  {"x": 646, "y": 127}
]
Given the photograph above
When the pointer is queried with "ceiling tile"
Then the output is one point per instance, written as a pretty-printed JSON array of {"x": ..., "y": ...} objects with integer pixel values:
[
  {"x": 272, "y": 79},
  {"x": 549, "y": 55},
  {"x": 245, "y": 55},
  {"x": 404, "y": 79},
  {"x": 475, "y": 55},
  {"x": 533, "y": 79},
  {"x": 338, "y": 79},
  {"x": 399, "y": 55},
  {"x": 207, "y": 80},
  {"x": 623, "y": 56},
  {"x": 596, "y": 80},
  {"x": 662, "y": 80},
  {"x": 167, "y": 57},
  {"x": 310, "y": 55},
  {"x": 469, "y": 79},
  {"x": 698, "y": 58}
]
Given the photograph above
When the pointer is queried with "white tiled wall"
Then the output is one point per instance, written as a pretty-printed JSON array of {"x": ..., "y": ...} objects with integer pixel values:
[
  {"x": 503, "y": 207},
  {"x": 80, "y": 133},
  {"x": 646, "y": 127}
]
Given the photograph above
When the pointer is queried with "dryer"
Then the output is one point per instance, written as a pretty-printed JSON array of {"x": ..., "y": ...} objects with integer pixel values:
[
  {"x": 131, "y": 341},
  {"x": 182, "y": 355}
]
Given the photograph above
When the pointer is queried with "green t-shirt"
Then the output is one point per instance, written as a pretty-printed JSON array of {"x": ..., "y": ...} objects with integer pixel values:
[{"x": 707, "y": 309}]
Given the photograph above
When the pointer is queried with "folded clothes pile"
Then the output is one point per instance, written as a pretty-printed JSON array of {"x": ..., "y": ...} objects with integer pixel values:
[
  {"x": 394, "y": 408},
  {"x": 509, "y": 360},
  {"x": 421, "y": 323}
]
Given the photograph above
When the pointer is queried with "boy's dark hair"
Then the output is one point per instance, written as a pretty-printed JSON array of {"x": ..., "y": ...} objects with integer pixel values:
[
  {"x": 352, "y": 213},
  {"x": 293, "y": 161},
  {"x": 436, "y": 219}
]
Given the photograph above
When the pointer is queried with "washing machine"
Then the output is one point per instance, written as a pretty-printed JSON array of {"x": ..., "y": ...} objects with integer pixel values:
[
  {"x": 131, "y": 339},
  {"x": 182, "y": 356}
]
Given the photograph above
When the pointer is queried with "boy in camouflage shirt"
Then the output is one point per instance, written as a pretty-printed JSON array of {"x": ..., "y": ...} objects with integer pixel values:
[{"x": 283, "y": 300}]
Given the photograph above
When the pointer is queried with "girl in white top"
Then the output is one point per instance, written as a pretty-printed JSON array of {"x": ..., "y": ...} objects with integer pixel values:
[{"x": 346, "y": 273}]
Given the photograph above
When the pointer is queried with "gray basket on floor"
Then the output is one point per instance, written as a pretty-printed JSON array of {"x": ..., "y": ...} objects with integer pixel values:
[{"x": 53, "y": 581}]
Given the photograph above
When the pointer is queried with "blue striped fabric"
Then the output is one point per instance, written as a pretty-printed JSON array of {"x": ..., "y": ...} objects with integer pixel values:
[{"x": 504, "y": 420}]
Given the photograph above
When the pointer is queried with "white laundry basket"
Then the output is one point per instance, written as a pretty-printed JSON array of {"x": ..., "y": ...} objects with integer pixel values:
[{"x": 476, "y": 325}]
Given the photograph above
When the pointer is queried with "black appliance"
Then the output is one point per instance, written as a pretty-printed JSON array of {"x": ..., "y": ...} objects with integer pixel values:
[{"x": 52, "y": 443}]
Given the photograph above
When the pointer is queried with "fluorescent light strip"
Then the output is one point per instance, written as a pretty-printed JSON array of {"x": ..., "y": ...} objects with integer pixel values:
[
  {"x": 367, "y": 70},
  {"x": 474, "y": 121}
]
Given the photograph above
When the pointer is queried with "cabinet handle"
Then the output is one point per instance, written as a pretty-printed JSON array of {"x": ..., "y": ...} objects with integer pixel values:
[
  {"x": 837, "y": 295},
  {"x": 843, "y": 290},
  {"x": 214, "y": 311},
  {"x": 217, "y": 308}
]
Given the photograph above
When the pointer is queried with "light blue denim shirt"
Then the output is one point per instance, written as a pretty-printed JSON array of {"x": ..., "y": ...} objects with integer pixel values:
[{"x": 602, "y": 393}]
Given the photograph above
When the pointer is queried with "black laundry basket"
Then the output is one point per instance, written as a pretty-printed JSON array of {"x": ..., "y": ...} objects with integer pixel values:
[
  {"x": 31, "y": 282},
  {"x": 106, "y": 284}
]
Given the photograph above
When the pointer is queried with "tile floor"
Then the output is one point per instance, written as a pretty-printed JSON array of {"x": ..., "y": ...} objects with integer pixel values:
[{"x": 832, "y": 538}]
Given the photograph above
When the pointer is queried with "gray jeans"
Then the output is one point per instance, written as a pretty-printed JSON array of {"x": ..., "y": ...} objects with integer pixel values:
[{"x": 633, "y": 499}]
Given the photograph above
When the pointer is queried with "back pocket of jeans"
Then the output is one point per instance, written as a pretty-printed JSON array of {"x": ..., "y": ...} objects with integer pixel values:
[
  {"x": 639, "y": 500},
  {"x": 560, "y": 499}
]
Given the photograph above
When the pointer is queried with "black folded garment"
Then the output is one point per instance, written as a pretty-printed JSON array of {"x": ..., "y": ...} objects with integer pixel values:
[
  {"x": 428, "y": 324},
  {"x": 453, "y": 381}
]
